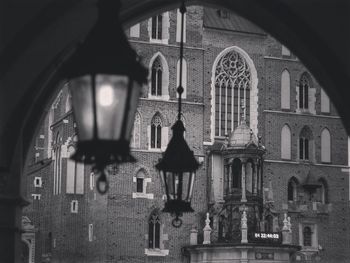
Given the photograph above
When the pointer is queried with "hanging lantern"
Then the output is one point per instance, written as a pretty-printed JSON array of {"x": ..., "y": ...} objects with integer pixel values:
[
  {"x": 178, "y": 166},
  {"x": 177, "y": 171},
  {"x": 105, "y": 80}
]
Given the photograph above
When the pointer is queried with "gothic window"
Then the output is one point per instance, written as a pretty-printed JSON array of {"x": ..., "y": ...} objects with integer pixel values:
[
  {"x": 236, "y": 173},
  {"x": 232, "y": 89},
  {"x": 285, "y": 90},
  {"x": 178, "y": 27},
  {"x": 57, "y": 166},
  {"x": 184, "y": 77},
  {"x": 307, "y": 235},
  {"x": 157, "y": 27},
  {"x": 304, "y": 86},
  {"x": 292, "y": 189},
  {"x": 156, "y": 132},
  {"x": 154, "y": 231},
  {"x": 135, "y": 139},
  {"x": 286, "y": 143},
  {"x": 325, "y": 146},
  {"x": 75, "y": 175},
  {"x": 92, "y": 181},
  {"x": 156, "y": 78},
  {"x": 305, "y": 143}
]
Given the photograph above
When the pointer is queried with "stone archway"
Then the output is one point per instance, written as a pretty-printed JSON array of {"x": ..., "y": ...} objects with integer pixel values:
[{"x": 43, "y": 45}]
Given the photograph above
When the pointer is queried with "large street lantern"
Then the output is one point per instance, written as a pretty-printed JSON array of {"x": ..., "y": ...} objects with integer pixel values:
[
  {"x": 178, "y": 166},
  {"x": 105, "y": 80}
]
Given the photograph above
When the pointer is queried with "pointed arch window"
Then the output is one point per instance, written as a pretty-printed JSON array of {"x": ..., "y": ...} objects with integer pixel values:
[
  {"x": 232, "y": 88},
  {"x": 286, "y": 143},
  {"x": 305, "y": 144},
  {"x": 325, "y": 146},
  {"x": 304, "y": 86},
  {"x": 292, "y": 190},
  {"x": 156, "y": 132},
  {"x": 135, "y": 139},
  {"x": 154, "y": 225},
  {"x": 157, "y": 22},
  {"x": 156, "y": 78},
  {"x": 285, "y": 90}
]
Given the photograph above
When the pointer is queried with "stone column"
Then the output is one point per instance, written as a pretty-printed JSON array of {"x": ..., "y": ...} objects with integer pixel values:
[
  {"x": 255, "y": 178},
  {"x": 207, "y": 230},
  {"x": 244, "y": 198}
]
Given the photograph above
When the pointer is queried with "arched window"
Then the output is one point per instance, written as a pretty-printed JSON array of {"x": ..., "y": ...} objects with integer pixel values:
[
  {"x": 304, "y": 86},
  {"x": 178, "y": 26},
  {"x": 156, "y": 132},
  {"x": 135, "y": 137},
  {"x": 184, "y": 77},
  {"x": 325, "y": 146},
  {"x": 156, "y": 78},
  {"x": 57, "y": 166},
  {"x": 292, "y": 189},
  {"x": 232, "y": 89},
  {"x": 305, "y": 143},
  {"x": 285, "y": 90},
  {"x": 157, "y": 26},
  {"x": 286, "y": 143},
  {"x": 236, "y": 173},
  {"x": 75, "y": 175},
  {"x": 307, "y": 234},
  {"x": 154, "y": 224}
]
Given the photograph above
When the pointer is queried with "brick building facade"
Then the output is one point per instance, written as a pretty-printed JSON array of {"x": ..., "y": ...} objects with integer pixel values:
[{"x": 305, "y": 168}]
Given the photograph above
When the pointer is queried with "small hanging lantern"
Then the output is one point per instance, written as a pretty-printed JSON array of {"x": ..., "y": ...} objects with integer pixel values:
[
  {"x": 178, "y": 166},
  {"x": 105, "y": 80}
]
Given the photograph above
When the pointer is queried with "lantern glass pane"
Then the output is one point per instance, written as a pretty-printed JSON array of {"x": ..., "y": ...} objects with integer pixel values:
[
  {"x": 189, "y": 182},
  {"x": 111, "y": 96},
  {"x": 133, "y": 100},
  {"x": 82, "y": 99}
]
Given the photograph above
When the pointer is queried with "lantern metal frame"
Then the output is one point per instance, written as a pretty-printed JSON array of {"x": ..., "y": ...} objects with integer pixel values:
[
  {"x": 107, "y": 52},
  {"x": 178, "y": 159}
]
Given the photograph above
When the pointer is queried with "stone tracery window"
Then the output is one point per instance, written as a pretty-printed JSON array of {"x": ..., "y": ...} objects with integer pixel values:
[
  {"x": 232, "y": 88},
  {"x": 304, "y": 85},
  {"x": 157, "y": 27},
  {"x": 156, "y": 78},
  {"x": 154, "y": 231},
  {"x": 156, "y": 132}
]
